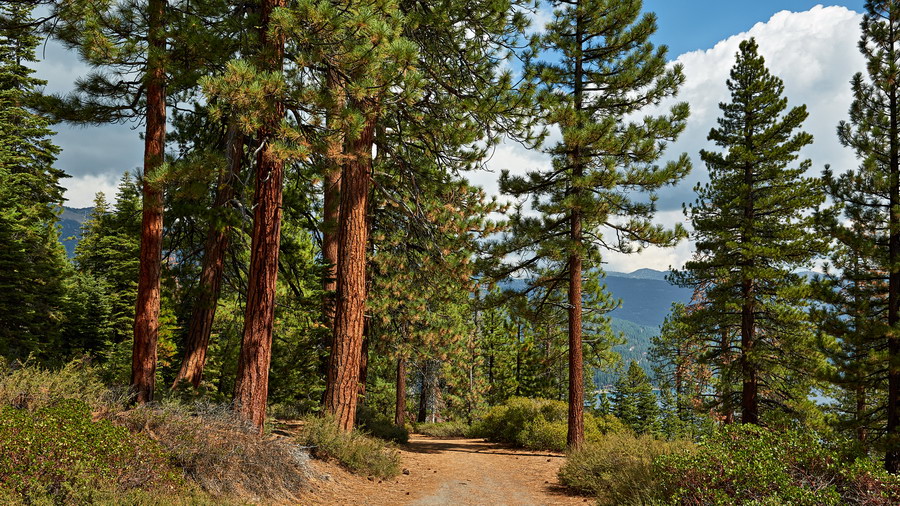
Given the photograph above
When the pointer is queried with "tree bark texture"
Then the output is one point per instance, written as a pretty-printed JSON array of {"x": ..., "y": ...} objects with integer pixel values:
[
  {"x": 252, "y": 382},
  {"x": 331, "y": 212},
  {"x": 400, "y": 406},
  {"x": 575, "y": 437},
  {"x": 146, "y": 315},
  {"x": 217, "y": 238},
  {"x": 342, "y": 390},
  {"x": 575, "y": 434}
]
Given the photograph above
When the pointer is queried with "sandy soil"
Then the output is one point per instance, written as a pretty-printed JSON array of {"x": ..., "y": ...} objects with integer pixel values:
[{"x": 451, "y": 471}]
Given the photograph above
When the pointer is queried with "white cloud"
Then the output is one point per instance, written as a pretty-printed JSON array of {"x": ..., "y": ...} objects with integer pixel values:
[
  {"x": 813, "y": 52},
  {"x": 81, "y": 190}
]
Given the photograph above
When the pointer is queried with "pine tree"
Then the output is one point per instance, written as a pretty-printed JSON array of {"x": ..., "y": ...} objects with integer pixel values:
[
  {"x": 252, "y": 383},
  {"x": 873, "y": 132},
  {"x": 850, "y": 310},
  {"x": 634, "y": 402},
  {"x": 32, "y": 263},
  {"x": 607, "y": 70},
  {"x": 753, "y": 230}
]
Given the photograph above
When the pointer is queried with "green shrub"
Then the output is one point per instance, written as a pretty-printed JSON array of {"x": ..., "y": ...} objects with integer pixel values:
[
  {"x": 504, "y": 422},
  {"x": 540, "y": 434},
  {"x": 744, "y": 464},
  {"x": 380, "y": 426},
  {"x": 618, "y": 468},
  {"x": 58, "y": 452},
  {"x": 539, "y": 424},
  {"x": 443, "y": 429},
  {"x": 354, "y": 450},
  {"x": 30, "y": 387}
]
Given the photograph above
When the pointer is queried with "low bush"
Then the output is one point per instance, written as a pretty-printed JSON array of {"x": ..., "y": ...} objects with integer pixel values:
[
  {"x": 221, "y": 452},
  {"x": 619, "y": 469},
  {"x": 30, "y": 387},
  {"x": 539, "y": 424},
  {"x": 358, "y": 452},
  {"x": 58, "y": 452},
  {"x": 744, "y": 464},
  {"x": 380, "y": 426},
  {"x": 443, "y": 429}
]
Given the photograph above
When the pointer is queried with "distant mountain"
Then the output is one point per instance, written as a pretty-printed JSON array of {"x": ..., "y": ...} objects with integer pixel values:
[
  {"x": 70, "y": 227},
  {"x": 641, "y": 274},
  {"x": 646, "y": 296}
]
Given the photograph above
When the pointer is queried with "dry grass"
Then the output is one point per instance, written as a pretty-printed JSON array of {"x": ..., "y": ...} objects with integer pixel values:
[{"x": 221, "y": 453}]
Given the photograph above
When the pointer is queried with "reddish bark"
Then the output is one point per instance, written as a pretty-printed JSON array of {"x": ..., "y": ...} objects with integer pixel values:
[
  {"x": 332, "y": 194},
  {"x": 400, "y": 407},
  {"x": 146, "y": 314},
  {"x": 217, "y": 237},
  {"x": 575, "y": 434},
  {"x": 252, "y": 383},
  {"x": 331, "y": 214},
  {"x": 342, "y": 390}
]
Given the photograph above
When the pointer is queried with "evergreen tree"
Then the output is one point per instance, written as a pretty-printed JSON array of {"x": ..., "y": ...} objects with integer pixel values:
[
  {"x": 606, "y": 71},
  {"x": 32, "y": 261},
  {"x": 753, "y": 230},
  {"x": 633, "y": 400},
  {"x": 850, "y": 313},
  {"x": 873, "y": 193}
]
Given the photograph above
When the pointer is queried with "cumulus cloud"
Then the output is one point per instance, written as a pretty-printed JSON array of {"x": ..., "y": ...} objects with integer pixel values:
[
  {"x": 814, "y": 52},
  {"x": 90, "y": 153},
  {"x": 81, "y": 190}
]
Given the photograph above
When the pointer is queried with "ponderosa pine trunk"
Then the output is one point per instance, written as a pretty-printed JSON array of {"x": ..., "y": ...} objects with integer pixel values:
[
  {"x": 400, "y": 406},
  {"x": 146, "y": 314},
  {"x": 575, "y": 434},
  {"x": 251, "y": 388},
  {"x": 217, "y": 239},
  {"x": 342, "y": 390},
  {"x": 331, "y": 212}
]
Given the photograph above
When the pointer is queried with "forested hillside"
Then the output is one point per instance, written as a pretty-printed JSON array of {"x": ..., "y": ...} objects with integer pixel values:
[{"x": 302, "y": 265}]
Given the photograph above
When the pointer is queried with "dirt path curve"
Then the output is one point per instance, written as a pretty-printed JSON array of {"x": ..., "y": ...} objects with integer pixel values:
[{"x": 456, "y": 472}]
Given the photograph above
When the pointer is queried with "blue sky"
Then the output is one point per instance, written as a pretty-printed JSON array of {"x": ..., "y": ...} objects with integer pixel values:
[{"x": 688, "y": 25}]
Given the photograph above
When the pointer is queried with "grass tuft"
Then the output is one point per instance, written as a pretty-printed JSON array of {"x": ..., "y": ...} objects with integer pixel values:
[{"x": 358, "y": 452}]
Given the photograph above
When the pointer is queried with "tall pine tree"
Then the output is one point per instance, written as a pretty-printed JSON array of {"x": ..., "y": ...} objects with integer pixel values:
[
  {"x": 753, "y": 230},
  {"x": 873, "y": 132},
  {"x": 604, "y": 170}
]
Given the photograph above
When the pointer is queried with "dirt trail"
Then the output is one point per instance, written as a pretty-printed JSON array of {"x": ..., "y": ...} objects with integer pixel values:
[{"x": 457, "y": 472}]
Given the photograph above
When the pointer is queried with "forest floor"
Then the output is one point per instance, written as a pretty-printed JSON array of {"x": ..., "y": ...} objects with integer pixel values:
[{"x": 451, "y": 471}]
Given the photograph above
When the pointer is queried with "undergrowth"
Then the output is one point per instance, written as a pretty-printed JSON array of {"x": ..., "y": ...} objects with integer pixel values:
[
  {"x": 219, "y": 451},
  {"x": 618, "y": 468},
  {"x": 747, "y": 464},
  {"x": 538, "y": 424},
  {"x": 443, "y": 429},
  {"x": 65, "y": 438},
  {"x": 356, "y": 451},
  {"x": 58, "y": 451}
]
